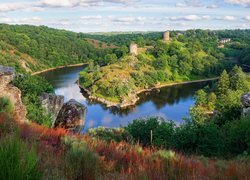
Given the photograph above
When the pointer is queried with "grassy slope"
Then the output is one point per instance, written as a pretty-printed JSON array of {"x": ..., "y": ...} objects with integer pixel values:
[
  {"x": 31, "y": 48},
  {"x": 66, "y": 157},
  {"x": 99, "y": 44},
  {"x": 10, "y": 56}
]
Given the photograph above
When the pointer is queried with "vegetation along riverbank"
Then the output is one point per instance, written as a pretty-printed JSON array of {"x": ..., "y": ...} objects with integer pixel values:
[{"x": 212, "y": 143}]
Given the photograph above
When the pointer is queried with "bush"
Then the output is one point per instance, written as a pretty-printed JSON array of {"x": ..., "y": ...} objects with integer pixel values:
[
  {"x": 162, "y": 131},
  {"x": 32, "y": 87},
  {"x": 80, "y": 161},
  {"x": 17, "y": 161},
  {"x": 5, "y": 105},
  {"x": 109, "y": 134},
  {"x": 236, "y": 136}
]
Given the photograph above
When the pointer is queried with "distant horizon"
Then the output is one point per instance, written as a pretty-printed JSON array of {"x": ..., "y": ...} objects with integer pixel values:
[
  {"x": 121, "y": 32},
  {"x": 89, "y": 16}
]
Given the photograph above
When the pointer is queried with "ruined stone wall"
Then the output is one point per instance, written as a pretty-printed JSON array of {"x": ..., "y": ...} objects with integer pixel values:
[
  {"x": 133, "y": 49},
  {"x": 166, "y": 36}
]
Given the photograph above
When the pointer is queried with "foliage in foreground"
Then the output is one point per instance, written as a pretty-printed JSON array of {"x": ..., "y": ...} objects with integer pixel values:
[
  {"x": 5, "y": 105},
  {"x": 206, "y": 139},
  {"x": 61, "y": 156},
  {"x": 215, "y": 128},
  {"x": 32, "y": 87},
  {"x": 17, "y": 158}
]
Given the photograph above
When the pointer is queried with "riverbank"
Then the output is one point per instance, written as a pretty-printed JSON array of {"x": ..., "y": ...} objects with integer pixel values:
[
  {"x": 133, "y": 98},
  {"x": 58, "y": 67}
]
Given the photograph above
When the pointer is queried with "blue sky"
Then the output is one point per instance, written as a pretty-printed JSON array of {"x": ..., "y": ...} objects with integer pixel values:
[{"x": 128, "y": 15}]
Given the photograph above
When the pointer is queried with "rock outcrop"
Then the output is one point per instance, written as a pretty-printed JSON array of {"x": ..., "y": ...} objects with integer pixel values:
[
  {"x": 52, "y": 104},
  {"x": 7, "y": 74},
  {"x": 245, "y": 101},
  {"x": 71, "y": 117}
]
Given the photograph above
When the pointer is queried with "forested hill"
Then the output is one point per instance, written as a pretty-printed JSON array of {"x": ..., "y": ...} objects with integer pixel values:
[
  {"x": 32, "y": 48},
  {"x": 238, "y": 47}
]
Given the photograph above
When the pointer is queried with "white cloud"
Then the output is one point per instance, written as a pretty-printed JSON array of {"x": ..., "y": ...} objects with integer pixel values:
[
  {"x": 212, "y": 6},
  {"x": 124, "y": 19},
  {"x": 6, "y": 7},
  {"x": 41, "y": 4},
  {"x": 185, "y": 18},
  {"x": 79, "y": 3},
  {"x": 91, "y": 17},
  {"x": 247, "y": 18},
  {"x": 226, "y": 18},
  {"x": 181, "y": 5},
  {"x": 245, "y": 3},
  {"x": 190, "y": 3},
  {"x": 32, "y": 20},
  {"x": 37, "y": 9}
]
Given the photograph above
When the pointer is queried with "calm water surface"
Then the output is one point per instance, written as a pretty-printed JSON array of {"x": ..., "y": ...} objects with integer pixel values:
[{"x": 170, "y": 102}]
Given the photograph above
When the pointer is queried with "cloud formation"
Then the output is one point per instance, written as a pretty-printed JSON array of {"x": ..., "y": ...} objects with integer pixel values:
[
  {"x": 41, "y": 4},
  {"x": 32, "y": 20},
  {"x": 245, "y": 3},
  {"x": 126, "y": 15},
  {"x": 226, "y": 18},
  {"x": 189, "y": 18}
]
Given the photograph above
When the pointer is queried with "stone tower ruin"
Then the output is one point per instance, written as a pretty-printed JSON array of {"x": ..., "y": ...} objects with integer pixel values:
[
  {"x": 133, "y": 49},
  {"x": 166, "y": 36}
]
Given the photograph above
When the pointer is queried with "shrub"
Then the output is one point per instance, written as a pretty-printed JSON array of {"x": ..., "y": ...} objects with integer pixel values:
[
  {"x": 17, "y": 161},
  {"x": 110, "y": 134},
  {"x": 204, "y": 139},
  {"x": 5, "y": 105},
  {"x": 236, "y": 136},
  {"x": 32, "y": 87},
  {"x": 162, "y": 131},
  {"x": 80, "y": 161}
]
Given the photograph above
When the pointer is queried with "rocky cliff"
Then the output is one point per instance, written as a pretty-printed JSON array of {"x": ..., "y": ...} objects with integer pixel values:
[
  {"x": 52, "y": 104},
  {"x": 245, "y": 101},
  {"x": 71, "y": 116},
  {"x": 7, "y": 74}
]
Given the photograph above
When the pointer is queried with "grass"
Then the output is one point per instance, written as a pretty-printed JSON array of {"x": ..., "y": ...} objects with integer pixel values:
[
  {"x": 6, "y": 105},
  {"x": 29, "y": 150}
]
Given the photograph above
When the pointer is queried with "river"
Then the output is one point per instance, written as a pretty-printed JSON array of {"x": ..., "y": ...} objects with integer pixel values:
[{"x": 169, "y": 102}]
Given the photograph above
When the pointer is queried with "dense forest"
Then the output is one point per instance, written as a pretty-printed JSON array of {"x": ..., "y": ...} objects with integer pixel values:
[
  {"x": 213, "y": 143},
  {"x": 31, "y": 48},
  {"x": 239, "y": 46},
  {"x": 207, "y": 145},
  {"x": 190, "y": 55},
  {"x": 216, "y": 126}
]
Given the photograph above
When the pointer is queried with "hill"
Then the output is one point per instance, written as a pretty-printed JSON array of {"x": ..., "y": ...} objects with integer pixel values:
[
  {"x": 186, "y": 57},
  {"x": 32, "y": 48}
]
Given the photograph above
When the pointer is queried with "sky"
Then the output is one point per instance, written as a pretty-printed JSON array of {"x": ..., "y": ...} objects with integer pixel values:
[{"x": 128, "y": 15}]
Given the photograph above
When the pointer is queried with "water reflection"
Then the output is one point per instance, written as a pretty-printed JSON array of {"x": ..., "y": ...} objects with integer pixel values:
[{"x": 169, "y": 102}]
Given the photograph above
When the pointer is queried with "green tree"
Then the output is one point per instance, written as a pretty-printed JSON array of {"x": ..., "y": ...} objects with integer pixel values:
[
  {"x": 124, "y": 50},
  {"x": 110, "y": 58},
  {"x": 212, "y": 98},
  {"x": 238, "y": 79},
  {"x": 201, "y": 98},
  {"x": 223, "y": 84},
  {"x": 161, "y": 62}
]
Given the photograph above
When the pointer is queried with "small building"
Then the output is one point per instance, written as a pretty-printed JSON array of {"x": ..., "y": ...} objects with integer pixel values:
[
  {"x": 166, "y": 36},
  {"x": 133, "y": 49}
]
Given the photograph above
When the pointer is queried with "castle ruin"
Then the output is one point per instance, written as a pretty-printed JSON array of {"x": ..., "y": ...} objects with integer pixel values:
[
  {"x": 166, "y": 36},
  {"x": 133, "y": 49}
]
